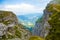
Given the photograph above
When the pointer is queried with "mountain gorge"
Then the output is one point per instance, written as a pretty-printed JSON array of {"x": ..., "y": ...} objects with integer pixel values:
[
  {"x": 38, "y": 26},
  {"x": 12, "y": 29},
  {"x": 29, "y": 20}
]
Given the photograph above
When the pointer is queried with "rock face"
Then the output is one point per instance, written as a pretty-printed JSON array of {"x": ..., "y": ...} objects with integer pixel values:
[
  {"x": 7, "y": 19},
  {"x": 2, "y": 29},
  {"x": 54, "y": 32},
  {"x": 10, "y": 28},
  {"x": 6, "y": 16},
  {"x": 50, "y": 20},
  {"x": 41, "y": 25}
]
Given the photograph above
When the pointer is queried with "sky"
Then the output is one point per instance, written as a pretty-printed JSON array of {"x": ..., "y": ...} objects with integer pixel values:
[{"x": 22, "y": 7}]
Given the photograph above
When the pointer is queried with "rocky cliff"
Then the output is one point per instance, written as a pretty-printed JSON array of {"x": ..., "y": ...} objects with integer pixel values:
[
  {"x": 42, "y": 25},
  {"x": 54, "y": 21},
  {"x": 8, "y": 17},
  {"x": 49, "y": 23},
  {"x": 10, "y": 28}
]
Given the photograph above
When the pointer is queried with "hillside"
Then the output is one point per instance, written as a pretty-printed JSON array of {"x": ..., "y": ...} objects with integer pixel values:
[
  {"x": 41, "y": 25},
  {"x": 54, "y": 21},
  {"x": 49, "y": 25},
  {"x": 10, "y": 28}
]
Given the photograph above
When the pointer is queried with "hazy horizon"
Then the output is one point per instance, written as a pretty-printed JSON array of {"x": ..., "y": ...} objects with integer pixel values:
[{"x": 22, "y": 7}]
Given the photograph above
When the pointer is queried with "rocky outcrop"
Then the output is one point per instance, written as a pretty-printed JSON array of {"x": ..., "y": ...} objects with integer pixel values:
[
  {"x": 54, "y": 21},
  {"x": 41, "y": 25},
  {"x": 7, "y": 19},
  {"x": 2, "y": 29},
  {"x": 6, "y": 16},
  {"x": 10, "y": 28}
]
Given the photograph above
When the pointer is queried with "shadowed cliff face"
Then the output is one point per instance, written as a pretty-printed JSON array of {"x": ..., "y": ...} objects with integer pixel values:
[{"x": 10, "y": 28}]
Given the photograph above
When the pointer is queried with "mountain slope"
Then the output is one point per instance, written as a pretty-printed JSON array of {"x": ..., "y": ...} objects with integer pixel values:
[
  {"x": 41, "y": 25},
  {"x": 29, "y": 17},
  {"x": 54, "y": 21},
  {"x": 10, "y": 28},
  {"x": 29, "y": 20}
]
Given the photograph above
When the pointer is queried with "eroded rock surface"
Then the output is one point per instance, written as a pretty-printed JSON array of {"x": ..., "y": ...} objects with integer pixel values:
[{"x": 10, "y": 28}]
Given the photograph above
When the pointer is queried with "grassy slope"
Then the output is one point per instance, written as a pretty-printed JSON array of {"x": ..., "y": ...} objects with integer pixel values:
[{"x": 54, "y": 33}]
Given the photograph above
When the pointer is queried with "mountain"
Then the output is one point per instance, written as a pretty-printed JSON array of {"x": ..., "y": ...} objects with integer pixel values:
[
  {"x": 41, "y": 25},
  {"x": 54, "y": 21},
  {"x": 29, "y": 20},
  {"x": 29, "y": 17},
  {"x": 10, "y": 29},
  {"x": 49, "y": 25}
]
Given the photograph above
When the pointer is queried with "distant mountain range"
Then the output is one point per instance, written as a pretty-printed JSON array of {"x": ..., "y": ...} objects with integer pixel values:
[{"x": 29, "y": 19}]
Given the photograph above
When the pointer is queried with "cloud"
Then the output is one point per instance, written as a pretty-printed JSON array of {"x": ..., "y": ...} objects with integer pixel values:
[{"x": 22, "y": 8}]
